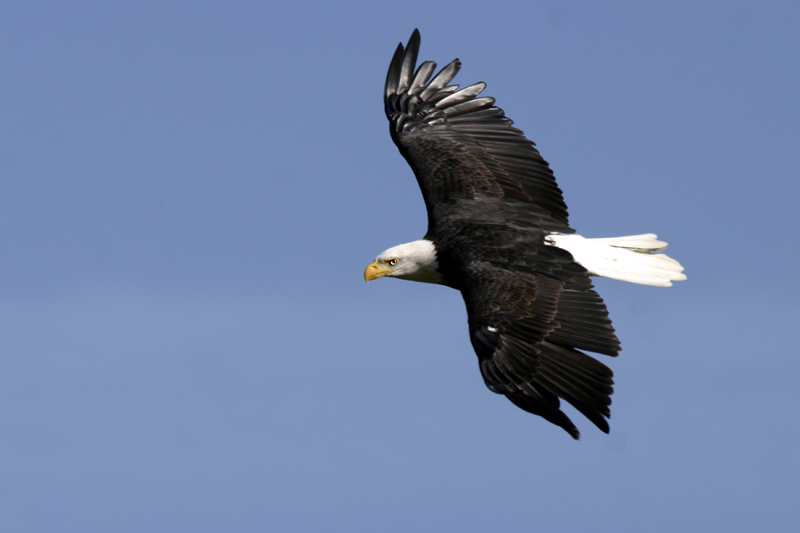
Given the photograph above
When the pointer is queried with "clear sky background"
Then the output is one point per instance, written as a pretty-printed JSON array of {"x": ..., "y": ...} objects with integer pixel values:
[{"x": 190, "y": 191}]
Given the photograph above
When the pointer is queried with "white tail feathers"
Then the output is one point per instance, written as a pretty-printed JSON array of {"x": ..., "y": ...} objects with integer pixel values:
[{"x": 629, "y": 258}]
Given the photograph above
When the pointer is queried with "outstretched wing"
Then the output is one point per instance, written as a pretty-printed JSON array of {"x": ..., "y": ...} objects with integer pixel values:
[
  {"x": 461, "y": 146},
  {"x": 531, "y": 309}
]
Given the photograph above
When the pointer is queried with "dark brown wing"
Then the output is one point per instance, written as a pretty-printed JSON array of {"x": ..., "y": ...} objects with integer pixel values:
[
  {"x": 531, "y": 308},
  {"x": 461, "y": 146}
]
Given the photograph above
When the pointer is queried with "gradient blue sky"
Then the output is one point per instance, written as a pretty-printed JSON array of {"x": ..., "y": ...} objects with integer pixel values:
[{"x": 190, "y": 191}]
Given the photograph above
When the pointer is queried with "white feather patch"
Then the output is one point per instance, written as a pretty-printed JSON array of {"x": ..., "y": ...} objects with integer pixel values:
[{"x": 630, "y": 258}]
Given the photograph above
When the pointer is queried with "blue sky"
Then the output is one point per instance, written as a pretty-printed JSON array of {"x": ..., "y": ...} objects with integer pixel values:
[{"x": 189, "y": 192}]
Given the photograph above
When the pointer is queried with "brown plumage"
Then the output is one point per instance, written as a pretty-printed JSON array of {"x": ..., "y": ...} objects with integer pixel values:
[{"x": 493, "y": 209}]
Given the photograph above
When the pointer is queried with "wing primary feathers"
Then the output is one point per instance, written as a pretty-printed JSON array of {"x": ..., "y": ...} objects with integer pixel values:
[
  {"x": 441, "y": 79},
  {"x": 546, "y": 406},
  {"x": 421, "y": 77},
  {"x": 393, "y": 75},
  {"x": 409, "y": 62},
  {"x": 465, "y": 94}
]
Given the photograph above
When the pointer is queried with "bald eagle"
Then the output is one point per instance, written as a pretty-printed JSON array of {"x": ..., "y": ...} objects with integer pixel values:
[{"x": 498, "y": 233}]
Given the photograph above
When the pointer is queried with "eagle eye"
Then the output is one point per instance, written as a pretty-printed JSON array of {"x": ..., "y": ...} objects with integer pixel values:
[{"x": 392, "y": 262}]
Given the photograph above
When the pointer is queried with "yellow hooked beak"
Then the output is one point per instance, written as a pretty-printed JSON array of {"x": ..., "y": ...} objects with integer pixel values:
[{"x": 374, "y": 270}]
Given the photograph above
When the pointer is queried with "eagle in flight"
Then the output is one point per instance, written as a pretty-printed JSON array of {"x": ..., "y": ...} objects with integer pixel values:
[{"x": 498, "y": 232}]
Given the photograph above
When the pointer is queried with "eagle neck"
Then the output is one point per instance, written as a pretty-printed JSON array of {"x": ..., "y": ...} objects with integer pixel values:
[{"x": 423, "y": 255}]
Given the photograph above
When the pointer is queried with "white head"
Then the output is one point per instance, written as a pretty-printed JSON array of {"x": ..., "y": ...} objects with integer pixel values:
[{"x": 414, "y": 260}]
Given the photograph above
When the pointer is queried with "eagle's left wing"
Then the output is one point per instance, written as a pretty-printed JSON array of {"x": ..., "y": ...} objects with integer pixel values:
[{"x": 527, "y": 321}]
